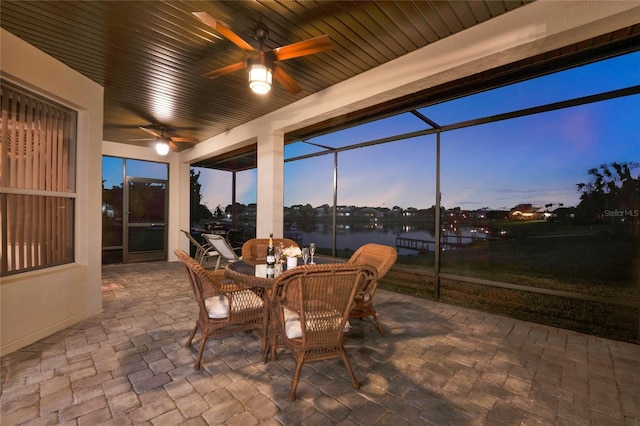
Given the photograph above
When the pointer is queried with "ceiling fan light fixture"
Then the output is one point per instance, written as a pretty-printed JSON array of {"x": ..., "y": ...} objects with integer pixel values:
[
  {"x": 260, "y": 74},
  {"x": 260, "y": 78},
  {"x": 162, "y": 147}
]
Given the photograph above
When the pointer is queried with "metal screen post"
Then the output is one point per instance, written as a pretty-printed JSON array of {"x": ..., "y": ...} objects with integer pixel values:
[
  {"x": 437, "y": 224},
  {"x": 335, "y": 201}
]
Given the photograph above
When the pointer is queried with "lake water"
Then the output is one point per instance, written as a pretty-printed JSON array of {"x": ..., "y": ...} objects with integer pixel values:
[{"x": 350, "y": 238}]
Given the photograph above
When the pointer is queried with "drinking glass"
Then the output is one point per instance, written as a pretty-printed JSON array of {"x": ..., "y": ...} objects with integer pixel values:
[
  {"x": 278, "y": 255},
  {"x": 305, "y": 255},
  {"x": 312, "y": 251}
]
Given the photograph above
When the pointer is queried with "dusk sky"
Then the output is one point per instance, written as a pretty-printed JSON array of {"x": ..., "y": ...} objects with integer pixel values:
[{"x": 536, "y": 159}]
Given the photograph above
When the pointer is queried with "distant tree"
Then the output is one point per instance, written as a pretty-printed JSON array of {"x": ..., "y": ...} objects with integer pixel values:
[
  {"x": 240, "y": 208},
  {"x": 198, "y": 211},
  {"x": 111, "y": 215},
  {"x": 298, "y": 211},
  {"x": 326, "y": 209},
  {"x": 308, "y": 211},
  {"x": 148, "y": 204},
  {"x": 612, "y": 194},
  {"x": 218, "y": 211}
]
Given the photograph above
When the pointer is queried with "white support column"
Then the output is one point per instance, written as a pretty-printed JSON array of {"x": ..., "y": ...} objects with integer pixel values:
[
  {"x": 179, "y": 206},
  {"x": 270, "y": 185}
]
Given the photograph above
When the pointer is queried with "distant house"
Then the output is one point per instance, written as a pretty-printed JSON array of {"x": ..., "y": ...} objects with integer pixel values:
[
  {"x": 456, "y": 214},
  {"x": 368, "y": 212},
  {"x": 526, "y": 212},
  {"x": 410, "y": 212},
  {"x": 395, "y": 212},
  {"x": 343, "y": 211},
  {"x": 497, "y": 214},
  {"x": 250, "y": 212},
  {"x": 320, "y": 211},
  {"x": 477, "y": 214},
  {"x": 563, "y": 214}
]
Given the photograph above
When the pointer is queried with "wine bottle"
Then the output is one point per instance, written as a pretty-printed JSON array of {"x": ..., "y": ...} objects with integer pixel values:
[{"x": 271, "y": 259}]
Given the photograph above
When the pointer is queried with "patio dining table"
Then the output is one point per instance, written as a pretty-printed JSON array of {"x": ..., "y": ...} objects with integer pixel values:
[{"x": 254, "y": 274}]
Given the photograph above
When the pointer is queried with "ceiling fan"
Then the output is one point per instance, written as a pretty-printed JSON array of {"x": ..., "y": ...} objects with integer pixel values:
[
  {"x": 165, "y": 143},
  {"x": 261, "y": 63}
]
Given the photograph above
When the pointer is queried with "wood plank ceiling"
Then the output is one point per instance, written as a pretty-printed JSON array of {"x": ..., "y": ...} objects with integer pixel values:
[{"x": 150, "y": 55}]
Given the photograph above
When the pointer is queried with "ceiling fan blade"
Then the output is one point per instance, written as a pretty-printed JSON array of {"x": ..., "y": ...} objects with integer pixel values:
[
  {"x": 286, "y": 80},
  {"x": 303, "y": 48},
  {"x": 225, "y": 70},
  {"x": 184, "y": 140},
  {"x": 224, "y": 30},
  {"x": 150, "y": 131}
]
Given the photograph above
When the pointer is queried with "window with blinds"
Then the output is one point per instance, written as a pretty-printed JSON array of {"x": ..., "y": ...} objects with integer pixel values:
[{"x": 37, "y": 178}]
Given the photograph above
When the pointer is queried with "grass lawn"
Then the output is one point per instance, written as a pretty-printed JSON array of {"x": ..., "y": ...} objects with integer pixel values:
[{"x": 603, "y": 262}]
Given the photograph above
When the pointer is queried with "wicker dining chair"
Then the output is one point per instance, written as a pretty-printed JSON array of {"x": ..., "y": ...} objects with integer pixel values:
[
  {"x": 255, "y": 249},
  {"x": 381, "y": 258},
  {"x": 203, "y": 251},
  {"x": 310, "y": 306},
  {"x": 224, "y": 307}
]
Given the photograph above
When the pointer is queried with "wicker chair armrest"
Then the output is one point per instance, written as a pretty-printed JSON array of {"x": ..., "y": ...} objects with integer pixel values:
[{"x": 246, "y": 281}]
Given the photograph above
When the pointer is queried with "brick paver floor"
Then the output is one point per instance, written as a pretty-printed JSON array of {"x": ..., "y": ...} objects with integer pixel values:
[{"x": 438, "y": 365}]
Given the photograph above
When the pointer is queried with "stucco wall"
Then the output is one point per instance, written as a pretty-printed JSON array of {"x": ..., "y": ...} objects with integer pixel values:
[{"x": 36, "y": 304}]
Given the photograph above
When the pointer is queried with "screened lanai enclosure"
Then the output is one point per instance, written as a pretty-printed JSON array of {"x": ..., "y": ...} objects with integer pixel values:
[{"x": 518, "y": 194}]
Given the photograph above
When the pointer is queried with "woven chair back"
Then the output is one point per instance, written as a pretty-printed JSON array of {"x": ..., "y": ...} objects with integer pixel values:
[
  {"x": 322, "y": 296},
  {"x": 194, "y": 270},
  {"x": 310, "y": 305},
  {"x": 255, "y": 249},
  {"x": 225, "y": 307},
  {"x": 379, "y": 256}
]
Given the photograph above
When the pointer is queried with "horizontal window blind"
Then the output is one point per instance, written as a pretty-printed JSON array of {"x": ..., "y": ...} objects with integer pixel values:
[{"x": 37, "y": 175}]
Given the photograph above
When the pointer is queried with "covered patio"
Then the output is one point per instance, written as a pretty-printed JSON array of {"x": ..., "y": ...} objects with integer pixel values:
[
  {"x": 438, "y": 364},
  {"x": 43, "y": 302}
]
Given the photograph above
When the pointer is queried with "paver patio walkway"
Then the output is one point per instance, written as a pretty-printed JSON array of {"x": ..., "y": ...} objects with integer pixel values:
[{"x": 437, "y": 365}]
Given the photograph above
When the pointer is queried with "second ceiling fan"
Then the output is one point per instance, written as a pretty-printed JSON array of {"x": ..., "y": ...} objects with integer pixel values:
[
  {"x": 262, "y": 64},
  {"x": 165, "y": 143}
]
